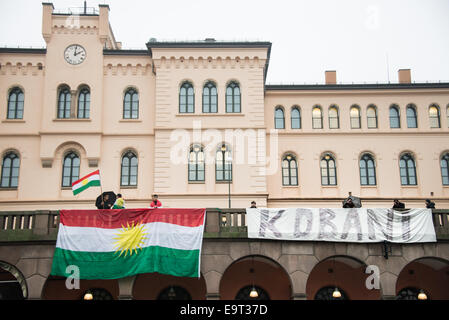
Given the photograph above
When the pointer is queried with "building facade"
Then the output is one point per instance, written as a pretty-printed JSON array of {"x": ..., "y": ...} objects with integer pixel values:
[{"x": 196, "y": 123}]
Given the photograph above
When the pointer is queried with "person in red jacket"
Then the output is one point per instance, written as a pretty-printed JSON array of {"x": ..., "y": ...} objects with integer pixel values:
[{"x": 155, "y": 203}]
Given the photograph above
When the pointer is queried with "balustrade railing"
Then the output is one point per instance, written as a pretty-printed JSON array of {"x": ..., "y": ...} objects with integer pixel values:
[{"x": 220, "y": 223}]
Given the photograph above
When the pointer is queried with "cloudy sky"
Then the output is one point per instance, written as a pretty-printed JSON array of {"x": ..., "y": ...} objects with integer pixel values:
[{"x": 361, "y": 39}]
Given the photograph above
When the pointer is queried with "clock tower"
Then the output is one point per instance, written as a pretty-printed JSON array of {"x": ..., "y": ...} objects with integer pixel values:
[{"x": 74, "y": 70}]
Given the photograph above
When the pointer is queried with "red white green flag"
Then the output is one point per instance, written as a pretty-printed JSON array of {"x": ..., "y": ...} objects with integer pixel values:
[
  {"x": 92, "y": 179},
  {"x": 112, "y": 244}
]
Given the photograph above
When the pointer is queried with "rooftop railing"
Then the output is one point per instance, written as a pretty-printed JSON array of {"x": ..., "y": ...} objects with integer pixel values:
[
  {"x": 77, "y": 11},
  {"x": 42, "y": 225}
]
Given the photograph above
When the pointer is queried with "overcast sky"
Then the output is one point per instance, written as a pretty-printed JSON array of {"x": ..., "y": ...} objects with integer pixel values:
[{"x": 354, "y": 37}]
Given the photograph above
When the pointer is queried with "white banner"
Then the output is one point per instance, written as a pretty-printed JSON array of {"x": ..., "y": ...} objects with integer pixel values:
[{"x": 341, "y": 225}]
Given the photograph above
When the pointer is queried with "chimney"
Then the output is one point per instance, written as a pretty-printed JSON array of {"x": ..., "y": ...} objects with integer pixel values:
[
  {"x": 104, "y": 22},
  {"x": 331, "y": 77},
  {"x": 404, "y": 76},
  {"x": 47, "y": 11}
]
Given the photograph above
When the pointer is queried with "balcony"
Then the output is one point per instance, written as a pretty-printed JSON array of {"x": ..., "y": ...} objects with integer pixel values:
[{"x": 42, "y": 225}]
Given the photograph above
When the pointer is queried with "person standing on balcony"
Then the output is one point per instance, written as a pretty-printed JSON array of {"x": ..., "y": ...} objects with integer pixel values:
[
  {"x": 253, "y": 204},
  {"x": 119, "y": 203},
  {"x": 155, "y": 203},
  {"x": 430, "y": 204},
  {"x": 398, "y": 205}
]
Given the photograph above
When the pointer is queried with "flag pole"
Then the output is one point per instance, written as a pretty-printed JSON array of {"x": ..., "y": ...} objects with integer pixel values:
[{"x": 101, "y": 188}]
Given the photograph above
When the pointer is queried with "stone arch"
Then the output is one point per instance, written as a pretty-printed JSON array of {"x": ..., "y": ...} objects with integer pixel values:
[
  {"x": 430, "y": 274},
  {"x": 258, "y": 271},
  {"x": 344, "y": 272},
  {"x": 16, "y": 286},
  {"x": 68, "y": 146},
  {"x": 149, "y": 286}
]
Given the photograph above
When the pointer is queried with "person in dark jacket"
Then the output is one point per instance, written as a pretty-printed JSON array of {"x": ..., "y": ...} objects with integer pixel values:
[
  {"x": 349, "y": 204},
  {"x": 398, "y": 205},
  {"x": 430, "y": 204}
]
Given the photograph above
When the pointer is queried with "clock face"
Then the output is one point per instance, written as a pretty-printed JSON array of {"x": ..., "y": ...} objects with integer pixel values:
[{"x": 75, "y": 54}]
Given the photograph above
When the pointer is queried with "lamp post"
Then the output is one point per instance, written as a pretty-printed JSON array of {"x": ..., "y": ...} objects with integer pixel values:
[{"x": 223, "y": 152}]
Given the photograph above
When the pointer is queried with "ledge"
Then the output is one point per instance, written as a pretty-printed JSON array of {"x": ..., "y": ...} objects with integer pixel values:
[
  {"x": 130, "y": 120},
  {"x": 13, "y": 121},
  {"x": 72, "y": 119},
  {"x": 217, "y": 114}
]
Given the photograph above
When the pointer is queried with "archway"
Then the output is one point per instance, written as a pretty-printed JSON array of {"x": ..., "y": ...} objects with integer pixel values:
[
  {"x": 342, "y": 272},
  {"x": 253, "y": 272},
  {"x": 152, "y": 286},
  {"x": 55, "y": 289},
  {"x": 430, "y": 275},
  {"x": 12, "y": 283}
]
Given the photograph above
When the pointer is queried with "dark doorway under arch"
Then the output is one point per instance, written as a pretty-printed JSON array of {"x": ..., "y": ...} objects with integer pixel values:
[
  {"x": 429, "y": 274},
  {"x": 245, "y": 293},
  {"x": 12, "y": 283},
  {"x": 326, "y": 293},
  {"x": 344, "y": 272},
  {"x": 259, "y": 271},
  {"x": 174, "y": 293}
]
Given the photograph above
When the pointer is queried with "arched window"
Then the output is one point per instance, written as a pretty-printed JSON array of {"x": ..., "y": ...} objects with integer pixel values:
[
  {"x": 407, "y": 170},
  {"x": 223, "y": 164},
  {"x": 10, "y": 171},
  {"x": 186, "y": 98},
  {"x": 289, "y": 171},
  {"x": 367, "y": 170},
  {"x": 317, "y": 118},
  {"x": 70, "y": 169},
  {"x": 447, "y": 114},
  {"x": 355, "y": 117},
  {"x": 395, "y": 121},
  {"x": 84, "y": 104},
  {"x": 296, "y": 118},
  {"x": 174, "y": 293},
  {"x": 445, "y": 169},
  {"x": 210, "y": 98},
  {"x": 64, "y": 103},
  {"x": 129, "y": 169},
  {"x": 279, "y": 121},
  {"x": 371, "y": 116},
  {"x": 412, "y": 121},
  {"x": 334, "y": 121},
  {"x": 434, "y": 116},
  {"x": 245, "y": 293},
  {"x": 15, "y": 104},
  {"x": 196, "y": 163},
  {"x": 131, "y": 104},
  {"x": 98, "y": 294},
  {"x": 233, "y": 99},
  {"x": 328, "y": 171},
  {"x": 326, "y": 293}
]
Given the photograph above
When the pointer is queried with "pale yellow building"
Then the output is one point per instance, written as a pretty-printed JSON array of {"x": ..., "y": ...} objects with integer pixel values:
[{"x": 83, "y": 104}]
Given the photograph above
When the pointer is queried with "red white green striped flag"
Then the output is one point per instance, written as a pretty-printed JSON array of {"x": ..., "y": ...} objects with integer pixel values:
[
  {"x": 112, "y": 244},
  {"x": 92, "y": 179}
]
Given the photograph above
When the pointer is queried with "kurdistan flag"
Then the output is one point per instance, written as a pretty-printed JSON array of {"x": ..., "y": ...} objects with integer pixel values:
[
  {"x": 92, "y": 179},
  {"x": 112, "y": 244}
]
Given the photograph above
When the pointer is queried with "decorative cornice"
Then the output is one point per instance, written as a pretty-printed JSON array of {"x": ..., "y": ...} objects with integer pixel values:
[
  {"x": 123, "y": 70},
  {"x": 209, "y": 62},
  {"x": 19, "y": 68},
  {"x": 375, "y": 86},
  {"x": 62, "y": 29},
  {"x": 207, "y": 45}
]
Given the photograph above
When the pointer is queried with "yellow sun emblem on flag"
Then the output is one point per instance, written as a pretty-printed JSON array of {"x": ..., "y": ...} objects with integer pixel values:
[{"x": 130, "y": 238}]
